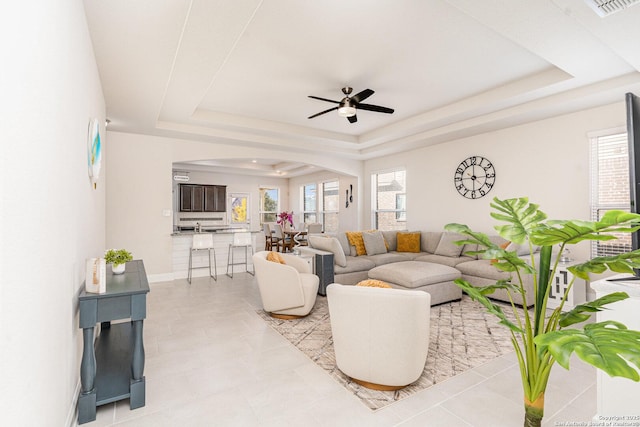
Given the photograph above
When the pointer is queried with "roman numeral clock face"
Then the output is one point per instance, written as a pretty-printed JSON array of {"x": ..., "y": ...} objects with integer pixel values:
[{"x": 474, "y": 177}]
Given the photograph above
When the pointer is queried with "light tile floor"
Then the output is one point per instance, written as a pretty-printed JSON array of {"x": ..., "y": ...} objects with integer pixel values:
[{"x": 211, "y": 361}]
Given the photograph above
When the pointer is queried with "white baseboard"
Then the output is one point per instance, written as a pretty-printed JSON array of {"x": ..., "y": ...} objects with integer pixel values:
[
  {"x": 164, "y": 277},
  {"x": 72, "y": 419}
]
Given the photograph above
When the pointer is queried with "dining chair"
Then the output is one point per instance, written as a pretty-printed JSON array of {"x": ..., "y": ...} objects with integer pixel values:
[
  {"x": 314, "y": 228},
  {"x": 283, "y": 242},
  {"x": 310, "y": 228},
  {"x": 269, "y": 238}
]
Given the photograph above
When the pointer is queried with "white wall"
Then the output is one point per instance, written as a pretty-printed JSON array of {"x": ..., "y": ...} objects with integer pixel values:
[
  {"x": 51, "y": 219},
  {"x": 139, "y": 188},
  {"x": 547, "y": 161},
  {"x": 139, "y": 183}
]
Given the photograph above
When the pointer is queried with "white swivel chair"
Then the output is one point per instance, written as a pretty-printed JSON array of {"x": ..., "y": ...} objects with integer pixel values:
[
  {"x": 287, "y": 290},
  {"x": 202, "y": 242},
  {"x": 241, "y": 239},
  {"x": 380, "y": 336}
]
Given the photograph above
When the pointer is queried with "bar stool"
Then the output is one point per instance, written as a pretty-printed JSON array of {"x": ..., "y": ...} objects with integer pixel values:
[
  {"x": 240, "y": 240},
  {"x": 202, "y": 242}
]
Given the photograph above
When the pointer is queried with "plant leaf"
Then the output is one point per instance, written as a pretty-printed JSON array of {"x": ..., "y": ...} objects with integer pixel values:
[
  {"x": 508, "y": 261},
  {"x": 521, "y": 215},
  {"x": 542, "y": 286},
  {"x": 574, "y": 231},
  {"x": 478, "y": 294},
  {"x": 577, "y": 314},
  {"x": 472, "y": 237},
  {"x": 606, "y": 345},
  {"x": 621, "y": 263}
]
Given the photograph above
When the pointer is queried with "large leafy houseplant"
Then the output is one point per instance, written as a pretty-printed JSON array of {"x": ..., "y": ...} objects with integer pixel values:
[{"x": 541, "y": 339}]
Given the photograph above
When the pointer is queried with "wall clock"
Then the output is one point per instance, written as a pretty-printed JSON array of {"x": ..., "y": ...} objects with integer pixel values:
[{"x": 474, "y": 177}]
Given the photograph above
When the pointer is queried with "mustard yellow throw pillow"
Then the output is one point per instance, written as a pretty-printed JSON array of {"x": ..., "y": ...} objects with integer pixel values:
[
  {"x": 355, "y": 239},
  {"x": 372, "y": 283},
  {"x": 409, "y": 242},
  {"x": 275, "y": 257},
  {"x": 502, "y": 246}
]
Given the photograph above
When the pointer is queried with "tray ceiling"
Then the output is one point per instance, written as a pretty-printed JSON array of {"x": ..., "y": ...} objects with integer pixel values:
[{"x": 241, "y": 72}]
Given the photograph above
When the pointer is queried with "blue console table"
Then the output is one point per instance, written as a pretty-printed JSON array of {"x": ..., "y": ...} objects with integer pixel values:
[{"x": 113, "y": 369}]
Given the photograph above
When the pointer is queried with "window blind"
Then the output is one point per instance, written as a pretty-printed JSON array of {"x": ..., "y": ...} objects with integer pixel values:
[{"x": 610, "y": 187}]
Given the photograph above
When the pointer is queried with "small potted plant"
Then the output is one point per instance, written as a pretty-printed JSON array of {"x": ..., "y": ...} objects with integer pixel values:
[{"x": 117, "y": 258}]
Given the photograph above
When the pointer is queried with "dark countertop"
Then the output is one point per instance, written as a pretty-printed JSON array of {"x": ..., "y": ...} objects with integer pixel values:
[{"x": 215, "y": 231}]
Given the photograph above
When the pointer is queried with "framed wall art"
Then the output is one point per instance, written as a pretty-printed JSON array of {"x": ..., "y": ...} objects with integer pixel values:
[
  {"x": 94, "y": 152},
  {"x": 239, "y": 208}
]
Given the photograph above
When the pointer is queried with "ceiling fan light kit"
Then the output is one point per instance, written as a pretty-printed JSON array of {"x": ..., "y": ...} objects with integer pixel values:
[
  {"x": 348, "y": 106},
  {"x": 346, "y": 111}
]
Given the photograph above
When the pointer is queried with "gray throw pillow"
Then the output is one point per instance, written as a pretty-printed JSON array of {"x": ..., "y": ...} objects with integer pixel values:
[
  {"x": 391, "y": 238},
  {"x": 374, "y": 243},
  {"x": 344, "y": 242},
  {"x": 447, "y": 247}
]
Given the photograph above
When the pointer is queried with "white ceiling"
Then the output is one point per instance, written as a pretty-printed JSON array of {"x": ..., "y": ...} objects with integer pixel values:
[{"x": 240, "y": 72}]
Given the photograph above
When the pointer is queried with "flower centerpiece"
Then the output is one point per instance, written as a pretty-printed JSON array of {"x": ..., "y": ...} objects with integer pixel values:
[
  {"x": 117, "y": 258},
  {"x": 285, "y": 219}
]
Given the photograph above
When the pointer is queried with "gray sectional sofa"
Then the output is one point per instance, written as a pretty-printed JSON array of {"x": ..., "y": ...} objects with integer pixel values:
[{"x": 435, "y": 247}]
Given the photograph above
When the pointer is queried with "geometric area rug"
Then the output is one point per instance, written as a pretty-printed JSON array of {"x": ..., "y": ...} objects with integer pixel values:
[{"x": 462, "y": 336}]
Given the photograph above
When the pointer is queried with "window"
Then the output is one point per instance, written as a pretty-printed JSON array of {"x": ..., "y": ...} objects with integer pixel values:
[
  {"x": 269, "y": 201},
  {"x": 330, "y": 205},
  {"x": 401, "y": 206},
  {"x": 309, "y": 203},
  {"x": 610, "y": 187},
  {"x": 389, "y": 200}
]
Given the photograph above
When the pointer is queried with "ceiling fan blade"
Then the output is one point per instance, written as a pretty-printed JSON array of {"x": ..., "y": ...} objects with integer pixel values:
[
  {"x": 376, "y": 108},
  {"x": 322, "y": 112},
  {"x": 361, "y": 96},
  {"x": 324, "y": 99},
  {"x": 352, "y": 119}
]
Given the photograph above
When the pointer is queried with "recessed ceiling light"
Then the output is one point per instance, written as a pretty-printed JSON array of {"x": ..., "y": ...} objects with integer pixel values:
[{"x": 254, "y": 161}]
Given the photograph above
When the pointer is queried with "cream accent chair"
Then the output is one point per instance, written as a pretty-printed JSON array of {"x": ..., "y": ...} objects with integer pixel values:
[
  {"x": 289, "y": 290},
  {"x": 380, "y": 336}
]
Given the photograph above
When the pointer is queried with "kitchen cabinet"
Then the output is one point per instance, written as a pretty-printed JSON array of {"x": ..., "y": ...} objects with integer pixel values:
[
  {"x": 203, "y": 198},
  {"x": 186, "y": 197},
  {"x": 215, "y": 198}
]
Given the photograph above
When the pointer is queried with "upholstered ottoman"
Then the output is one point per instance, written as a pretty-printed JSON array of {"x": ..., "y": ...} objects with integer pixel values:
[{"x": 436, "y": 279}]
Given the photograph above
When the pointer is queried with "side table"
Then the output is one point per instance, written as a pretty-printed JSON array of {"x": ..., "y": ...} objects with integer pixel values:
[
  {"x": 113, "y": 369},
  {"x": 561, "y": 280},
  {"x": 308, "y": 258},
  {"x": 322, "y": 267}
]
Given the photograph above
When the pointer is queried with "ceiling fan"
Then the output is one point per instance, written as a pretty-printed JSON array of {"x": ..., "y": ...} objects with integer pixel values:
[{"x": 348, "y": 105}]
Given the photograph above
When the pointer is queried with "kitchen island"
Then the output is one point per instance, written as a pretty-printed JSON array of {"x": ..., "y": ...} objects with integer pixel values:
[{"x": 222, "y": 237}]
